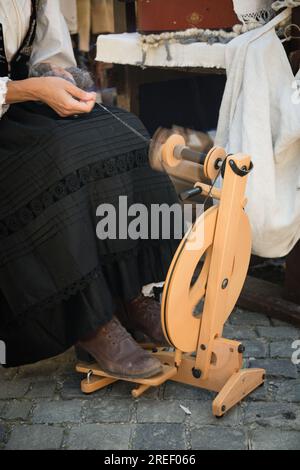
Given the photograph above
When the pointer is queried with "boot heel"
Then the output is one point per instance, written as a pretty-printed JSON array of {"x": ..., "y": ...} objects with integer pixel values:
[{"x": 84, "y": 356}]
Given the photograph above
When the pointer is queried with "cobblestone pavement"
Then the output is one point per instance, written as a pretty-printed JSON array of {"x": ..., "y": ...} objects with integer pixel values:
[{"x": 41, "y": 406}]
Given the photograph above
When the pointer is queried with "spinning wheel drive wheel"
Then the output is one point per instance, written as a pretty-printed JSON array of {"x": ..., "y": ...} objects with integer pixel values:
[{"x": 181, "y": 324}]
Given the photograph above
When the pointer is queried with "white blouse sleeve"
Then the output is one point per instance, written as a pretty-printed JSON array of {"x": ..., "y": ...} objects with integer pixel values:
[
  {"x": 3, "y": 91},
  {"x": 52, "y": 43}
]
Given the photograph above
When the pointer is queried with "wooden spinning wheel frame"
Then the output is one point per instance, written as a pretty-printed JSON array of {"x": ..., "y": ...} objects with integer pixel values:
[{"x": 221, "y": 237}]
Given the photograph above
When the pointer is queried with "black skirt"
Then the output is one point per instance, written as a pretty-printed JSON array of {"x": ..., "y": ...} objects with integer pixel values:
[{"x": 58, "y": 281}]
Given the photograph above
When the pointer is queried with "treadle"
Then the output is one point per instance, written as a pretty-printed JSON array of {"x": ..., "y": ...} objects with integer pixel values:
[{"x": 97, "y": 379}]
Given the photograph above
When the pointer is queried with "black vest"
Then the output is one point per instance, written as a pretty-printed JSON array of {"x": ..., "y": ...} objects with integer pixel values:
[{"x": 18, "y": 67}]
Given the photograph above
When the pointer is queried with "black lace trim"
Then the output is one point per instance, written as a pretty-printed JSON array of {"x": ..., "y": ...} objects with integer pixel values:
[
  {"x": 66, "y": 293},
  {"x": 70, "y": 184}
]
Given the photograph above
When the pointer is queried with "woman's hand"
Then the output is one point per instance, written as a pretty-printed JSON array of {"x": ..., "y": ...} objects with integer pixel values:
[{"x": 62, "y": 96}]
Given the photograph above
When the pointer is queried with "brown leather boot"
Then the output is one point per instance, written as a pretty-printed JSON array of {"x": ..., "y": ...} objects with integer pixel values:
[
  {"x": 144, "y": 315},
  {"x": 118, "y": 354}
]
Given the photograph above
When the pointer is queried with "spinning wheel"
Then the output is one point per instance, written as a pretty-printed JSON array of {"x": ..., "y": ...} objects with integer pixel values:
[{"x": 204, "y": 281}]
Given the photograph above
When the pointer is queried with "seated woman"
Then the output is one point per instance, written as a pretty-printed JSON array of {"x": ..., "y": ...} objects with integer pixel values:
[{"x": 61, "y": 157}]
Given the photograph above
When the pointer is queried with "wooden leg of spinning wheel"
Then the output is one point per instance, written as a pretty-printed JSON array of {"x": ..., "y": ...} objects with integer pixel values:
[
  {"x": 94, "y": 383},
  {"x": 237, "y": 388},
  {"x": 137, "y": 392}
]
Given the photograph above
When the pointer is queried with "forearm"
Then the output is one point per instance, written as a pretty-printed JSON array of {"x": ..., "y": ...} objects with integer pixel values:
[{"x": 23, "y": 90}]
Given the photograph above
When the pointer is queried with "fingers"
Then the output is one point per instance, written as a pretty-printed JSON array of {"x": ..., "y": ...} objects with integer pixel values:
[
  {"x": 80, "y": 94},
  {"x": 65, "y": 98},
  {"x": 85, "y": 107},
  {"x": 72, "y": 106}
]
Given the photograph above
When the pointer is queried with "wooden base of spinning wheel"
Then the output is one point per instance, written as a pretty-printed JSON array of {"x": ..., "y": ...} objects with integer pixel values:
[
  {"x": 226, "y": 377},
  {"x": 221, "y": 240}
]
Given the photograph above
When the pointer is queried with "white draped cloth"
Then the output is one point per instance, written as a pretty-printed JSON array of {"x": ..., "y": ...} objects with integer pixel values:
[
  {"x": 52, "y": 43},
  {"x": 260, "y": 116}
]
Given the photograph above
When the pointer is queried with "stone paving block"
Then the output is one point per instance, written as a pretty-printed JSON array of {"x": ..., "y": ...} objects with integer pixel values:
[
  {"x": 239, "y": 333},
  {"x": 288, "y": 390},
  {"x": 276, "y": 322},
  {"x": 99, "y": 437},
  {"x": 256, "y": 348},
  {"x": 281, "y": 349},
  {"x": 159, "y": 436},
  {"x": 44, "y": 389},
  {"x": 68, "y": 356},
  {"x": 278, "y": 332},
  {"x": 64, "y": 364},
  {"x": 15, "y": 388},
  {"x": 67, "y": 366},
  {"x": 246, "y": 318},
  {"x": 275, "y": 439},
  {"x": 68, "y": 411},
  {"x": 35, "y": 437},
  {"x": 276, "y": 367},
  {"x": 3, "y": 405},
  {"x": 283, "y": 415},
  {"x": 39, "y": 371},
  {"x": 174, "y": 390},
  {"x": 109, "y": 410},
  {"x": 218, "y": 438},
  {"x": 8, "y": 374},
  {"x": 2, "y": 433},
  {"x": 202, "y": 415},
  {"x": 154, "y": 411},
  {"x": 17, "y": 409},
  {"x": 264, "y": 393}
]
